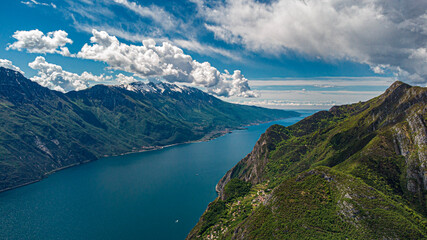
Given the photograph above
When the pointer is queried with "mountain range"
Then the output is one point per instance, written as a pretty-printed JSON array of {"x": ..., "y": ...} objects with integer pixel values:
[
  {"x": 42, "y": 130},
  {"x": 357, "y": 171}
]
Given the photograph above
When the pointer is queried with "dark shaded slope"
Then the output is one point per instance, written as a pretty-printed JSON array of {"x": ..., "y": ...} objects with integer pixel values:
[{"x": 43, "y": 130}]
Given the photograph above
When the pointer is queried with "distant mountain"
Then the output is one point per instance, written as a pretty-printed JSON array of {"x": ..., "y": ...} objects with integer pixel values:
[
  {"x": 356, "y": 171},
  {"x": 42, "y": 130}
]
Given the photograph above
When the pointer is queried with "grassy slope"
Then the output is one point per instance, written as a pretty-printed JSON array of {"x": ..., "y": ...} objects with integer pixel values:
[
  {"x": 43, "y": 130},
  {"x": 373, "y": 189}
]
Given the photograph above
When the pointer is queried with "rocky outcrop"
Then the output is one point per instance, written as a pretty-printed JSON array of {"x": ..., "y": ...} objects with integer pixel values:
[
  {"x": 296, "y": 207},
  {"x": 361, "y": 166},
  {"x": 251, "y": 168},
  {"x": 411, "y": 141}
]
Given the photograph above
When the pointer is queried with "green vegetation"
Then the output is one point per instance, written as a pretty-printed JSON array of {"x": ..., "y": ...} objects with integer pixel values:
[
  {"x": 236, "y": 188},
  {"x": 353, "y": 172},
  {"x": 43, "y": 130},
  {"x": 325, "y": 204},
  {"x": 216, "y": 211}
]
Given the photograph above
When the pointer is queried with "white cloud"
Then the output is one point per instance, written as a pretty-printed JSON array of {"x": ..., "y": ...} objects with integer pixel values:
[
  {"x": 158, "y": 15},
  {"x": 196, "y": 46},
  {"x": 8, "y": 64},
  {"x": 386, "y": 34},
  {"x": 147, "y": 19},
  {"x": 118, "y": 32},
  {"x": 166, "y": 61},
  {"x": 54, "y": 77},
  {"x": 34, "y": 41},
  {"x": 123, "y": 79},
  {"x": 325, "y": 81},
  {"x": 143, "y": 21},
  {"x": 89, "y": 10},
  {"x": 222, "y": 34},
  {"x": 304, "y": 99},
  {"x": 191, "y": 45},
  {"x": 31, "y": 3},
  {"x": 380, "y": 68}
]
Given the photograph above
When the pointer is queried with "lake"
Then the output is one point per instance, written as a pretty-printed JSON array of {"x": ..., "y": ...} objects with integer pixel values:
[{"x": 151, "y": 195}]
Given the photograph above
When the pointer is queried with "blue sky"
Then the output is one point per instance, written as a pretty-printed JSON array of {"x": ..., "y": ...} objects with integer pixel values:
[{"x": 289, "y": 53}]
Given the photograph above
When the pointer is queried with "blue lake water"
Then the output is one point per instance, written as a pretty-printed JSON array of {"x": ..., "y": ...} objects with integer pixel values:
[{"x": 151, "y": 195}]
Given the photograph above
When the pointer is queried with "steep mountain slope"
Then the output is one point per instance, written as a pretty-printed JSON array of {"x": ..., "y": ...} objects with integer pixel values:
[
  {"x": 356, "y": 171},
  {"x": 43, "y": 130}
]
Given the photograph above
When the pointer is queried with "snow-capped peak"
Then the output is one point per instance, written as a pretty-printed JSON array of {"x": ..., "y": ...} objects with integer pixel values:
[{"x": 152, "y": 87}]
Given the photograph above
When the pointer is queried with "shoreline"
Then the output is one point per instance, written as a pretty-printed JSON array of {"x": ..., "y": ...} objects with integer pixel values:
[
  {"x": 214, "y": 135},
  {"x": 208, "y": 137}
]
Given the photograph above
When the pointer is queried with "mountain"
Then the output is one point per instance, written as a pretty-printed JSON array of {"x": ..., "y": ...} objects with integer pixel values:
[
  {"x": 42, "y": 131},
  {"x": 356, "y": 171}
]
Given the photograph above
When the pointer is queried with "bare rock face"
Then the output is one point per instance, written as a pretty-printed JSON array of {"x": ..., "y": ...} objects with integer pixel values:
[
  {"x": 410, "y": 136},
  {"x": 419, "y": 130},
  {"x": 251, "y": 168},
  {"x": 411, "y": 140}
]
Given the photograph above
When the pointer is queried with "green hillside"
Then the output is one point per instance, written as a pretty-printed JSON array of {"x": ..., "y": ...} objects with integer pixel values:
[
  {"x": 354, "y": 172},
  {"x": 42, "y": 130}
]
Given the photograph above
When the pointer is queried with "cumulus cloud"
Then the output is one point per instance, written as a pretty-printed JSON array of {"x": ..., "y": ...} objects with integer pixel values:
[
  {"x": 167, "y": 62},
  {"x": 34, "y": 41},
  {"x": 8, "y": 64},
  {"x": 54, "y": 77},
  {"x": 386, "y": 34},
  {"x": 123, "y": 79},
  {"x": 143, "y": 21},
  {"x": 192, "y": 45}
]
